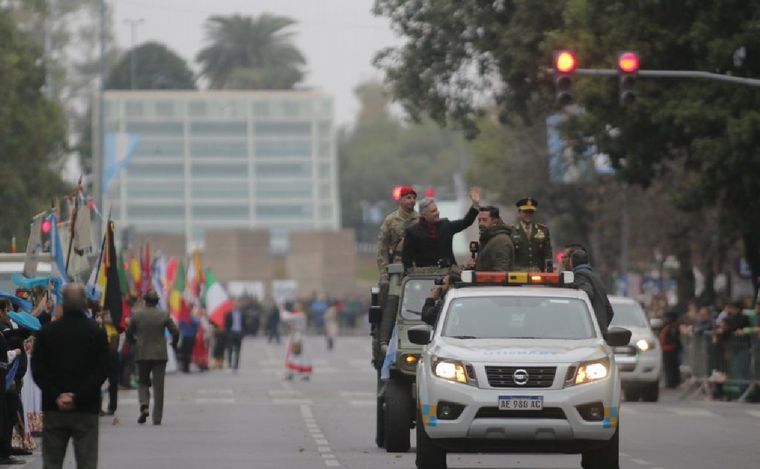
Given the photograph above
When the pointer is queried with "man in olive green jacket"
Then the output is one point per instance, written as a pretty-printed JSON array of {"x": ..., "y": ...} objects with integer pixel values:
[
  {"x": 497, "y": 253},
  {"x": 146, "y": 331}
]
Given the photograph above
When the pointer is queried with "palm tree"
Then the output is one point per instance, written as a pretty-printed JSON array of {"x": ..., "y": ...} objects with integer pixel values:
[{"x": 250, "y": 53}]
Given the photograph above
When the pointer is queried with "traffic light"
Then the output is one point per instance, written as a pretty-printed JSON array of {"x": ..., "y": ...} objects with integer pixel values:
[
  {"x": 396, "y": 193},
  {"x": 628, "y": 69},
  {"x": 46, "y": 226},
  {"x": 565, "y": 63}
]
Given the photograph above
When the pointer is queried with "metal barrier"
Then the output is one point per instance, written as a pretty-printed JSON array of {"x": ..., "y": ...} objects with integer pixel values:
[{"x": 721, "y": 365}]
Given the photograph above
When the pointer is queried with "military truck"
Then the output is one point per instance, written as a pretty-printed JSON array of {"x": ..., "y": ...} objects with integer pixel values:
[{"x": 400, "y": 307}]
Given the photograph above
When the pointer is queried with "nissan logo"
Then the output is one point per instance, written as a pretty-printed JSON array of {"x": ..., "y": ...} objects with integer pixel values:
[{"x": 520, "y": 377}]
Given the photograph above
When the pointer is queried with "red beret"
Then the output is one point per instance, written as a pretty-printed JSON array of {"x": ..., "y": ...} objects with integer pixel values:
[{"x": 406, "y": 190}]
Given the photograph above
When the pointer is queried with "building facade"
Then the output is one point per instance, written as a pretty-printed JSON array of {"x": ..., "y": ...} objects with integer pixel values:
[{"x": 196, "y": 161}]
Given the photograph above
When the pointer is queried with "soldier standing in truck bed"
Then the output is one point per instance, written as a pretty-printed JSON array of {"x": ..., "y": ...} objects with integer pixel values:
[
  {"x": 390, "y": 240},
  {"x": 533, "y": 245}
]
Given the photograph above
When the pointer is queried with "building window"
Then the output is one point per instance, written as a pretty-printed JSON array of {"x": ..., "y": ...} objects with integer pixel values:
[
  {"x": 283, "y": 169},
  {"x": 155, "y": 170},
  {"x": 219, "y": 129},
  {"x": 164, "y": 129},
  {"x": 283, "y": 129},
  {"x": 219, "y": 148},
  {"x": 157, "y": 212},
  {"x": 215, "y": 190},
  {"x": 276, "y": 190},
  {"x": 159, "y": 148},
  {"x": 219, "y": 170},
  {"x": 325, "y": 170},
  {"x": 270, "y": 149},
  {"x": 197, "y": 109},
  {"x": 160, "y": 190},
  {"x": 217, "y": 212},
  {"x": 326, "y": 211},
  {"x": 134, "y": 109},
  {"x": 284, "y": 211},
  {"x": 165, "y": 108},
  {"x": 325, "y": 149},
  {"x": 261, "y": 108}
]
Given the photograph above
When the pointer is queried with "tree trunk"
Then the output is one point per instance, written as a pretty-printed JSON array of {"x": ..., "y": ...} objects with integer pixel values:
[{"x": 685, "y": 281}]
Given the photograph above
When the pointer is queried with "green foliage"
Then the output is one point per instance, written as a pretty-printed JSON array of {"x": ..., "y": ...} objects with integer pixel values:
[
  {"x": 250, "y": 53},
  {"x": 702, "y": 131},
  {"x": 380, "y": 153},
  {"x": 156, "y": 68},
  {"x": 32, "y": 134}
]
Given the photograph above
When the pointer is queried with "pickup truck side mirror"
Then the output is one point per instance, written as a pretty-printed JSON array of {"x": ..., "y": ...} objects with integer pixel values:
[
  {"x": 419, "y": 335},
  {"x": 617, "y": 337}
]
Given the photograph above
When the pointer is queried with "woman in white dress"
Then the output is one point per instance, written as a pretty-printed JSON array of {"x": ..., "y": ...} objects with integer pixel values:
[{"x": 297, "y": 361}]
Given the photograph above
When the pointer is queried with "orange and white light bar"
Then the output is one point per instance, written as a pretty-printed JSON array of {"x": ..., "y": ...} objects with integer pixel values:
[{"x": 518, "y": 278}]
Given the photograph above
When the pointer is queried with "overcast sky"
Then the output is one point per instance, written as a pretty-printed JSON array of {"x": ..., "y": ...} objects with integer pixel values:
[{"x": 338, "y": 37}]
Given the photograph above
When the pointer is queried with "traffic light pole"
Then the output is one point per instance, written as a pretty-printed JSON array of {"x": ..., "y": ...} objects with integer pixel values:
[{"x": 608, "y": 72}]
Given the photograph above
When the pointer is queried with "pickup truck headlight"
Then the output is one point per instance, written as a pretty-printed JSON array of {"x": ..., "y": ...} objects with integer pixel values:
[
  {"x": 642, "y": 345},
  {"x": 591, "y": 371},
  {"x": 450, "y": 370}
]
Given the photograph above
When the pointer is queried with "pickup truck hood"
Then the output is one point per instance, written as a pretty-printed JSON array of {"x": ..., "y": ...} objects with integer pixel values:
[{"x": 523, "y": 351}]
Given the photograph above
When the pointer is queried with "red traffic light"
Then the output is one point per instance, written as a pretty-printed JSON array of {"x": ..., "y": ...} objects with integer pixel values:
[
  {"x": 565, "y": 61},
  {"x": 46, "y": 226},
  {"x": 628, "y": 62}
]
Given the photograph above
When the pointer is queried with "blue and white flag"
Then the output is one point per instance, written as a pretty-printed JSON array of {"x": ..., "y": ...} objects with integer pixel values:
[
  {"x": 390, "y": 356},
  {"x": 56, "y": 249},
  {"x": 119, "y": 148}
]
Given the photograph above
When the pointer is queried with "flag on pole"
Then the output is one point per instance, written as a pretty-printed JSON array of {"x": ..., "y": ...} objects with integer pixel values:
[
  {"x": 177, "y": 304},
  {"x": 108, "y": 279},
  {"x": 56, "y": 249},
  {"x": 217, "y": 302}
]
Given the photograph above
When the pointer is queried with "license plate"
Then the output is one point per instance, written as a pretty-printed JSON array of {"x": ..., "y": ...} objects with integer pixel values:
[{"x": 521, "y": 402}]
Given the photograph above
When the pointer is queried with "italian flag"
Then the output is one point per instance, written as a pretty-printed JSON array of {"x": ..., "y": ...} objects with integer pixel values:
[{"x": 218, "y": 304}]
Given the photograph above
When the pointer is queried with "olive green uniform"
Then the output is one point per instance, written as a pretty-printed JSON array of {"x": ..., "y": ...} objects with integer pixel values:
[
  {"x": 390, "y": 240},
  {"x": 533, "y": 247}
]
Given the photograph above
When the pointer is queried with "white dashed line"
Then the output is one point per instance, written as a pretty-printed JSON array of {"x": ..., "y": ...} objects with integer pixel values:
[
  {"x": 282, "y": 393},
  {"x": 691, "y": 412},
  {"x": 324, "y": 449},
  {"x": 321, "y": 442},
  {"x": 292, "y": 401},
  {"x": 357, "y": 403},
  {"x": 332, "y": 463},
  {"x": 357, "y": 394},
  {"x": 214, "y": 400},
  {"x": 641, "y": 462},
  {"x": 323, "y": 446},
  {"x": 228, "y": 392}
]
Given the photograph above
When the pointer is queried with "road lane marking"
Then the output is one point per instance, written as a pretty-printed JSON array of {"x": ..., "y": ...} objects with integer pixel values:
[
  {"x": 754, "y": 413},
  {"x": 292, "y": 401},
  {"x": 321, "y": 441},
  {"x": 216, "y": 391},
  {"x": 641, "y": 462},
  {"x": 283, "y": 393},
  {"x": 332, "y": 463},
  {"x": 357, "y": 394},
  {"x": 691, "y": 412},
  {"x": 324, "y": 449},
  {"x": 214, "y": 400},
  {"x": 358, "y": 403}
]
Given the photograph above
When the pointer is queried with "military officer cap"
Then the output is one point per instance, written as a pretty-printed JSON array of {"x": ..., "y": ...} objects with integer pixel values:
[{"x": 527, "y": 203}]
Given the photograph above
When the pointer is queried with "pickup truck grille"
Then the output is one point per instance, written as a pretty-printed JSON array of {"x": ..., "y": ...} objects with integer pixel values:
[
  {"x": 503, "y": 376},
  {"x": 495, "y": 413}
]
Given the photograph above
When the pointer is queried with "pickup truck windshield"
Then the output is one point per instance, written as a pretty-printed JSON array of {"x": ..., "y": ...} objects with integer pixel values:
[{"x": 518, "y": 317}]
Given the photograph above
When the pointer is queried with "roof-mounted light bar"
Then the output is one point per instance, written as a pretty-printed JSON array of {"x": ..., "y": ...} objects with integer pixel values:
[{"x": 518, "y": 278}]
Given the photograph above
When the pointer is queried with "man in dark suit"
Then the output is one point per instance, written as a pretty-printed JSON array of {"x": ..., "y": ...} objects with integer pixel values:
[
  {"x": 70, "y": 364},
  {"x": 428, "y": 243},
  {"x": 146, "y": 331}
]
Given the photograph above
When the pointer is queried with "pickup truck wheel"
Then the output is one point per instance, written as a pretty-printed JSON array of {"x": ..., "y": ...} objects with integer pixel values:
[
  {"x": 651, "y": 392},
  {"x": 380, "y": 416},
  {"x": 606, "y": 457},
  {"x": 398, "y": 415},
  {"x": 429, "y": 455}
]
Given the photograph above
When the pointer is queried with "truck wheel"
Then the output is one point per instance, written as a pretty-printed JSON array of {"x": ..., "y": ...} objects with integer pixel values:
[
  {"x": 606, "y": 457},
  {"x": 380, "y": 416},
  {"x": 651, "y": 392},
  {"x": 429, "y": 455},
  {"x": 398, "y": 415}
]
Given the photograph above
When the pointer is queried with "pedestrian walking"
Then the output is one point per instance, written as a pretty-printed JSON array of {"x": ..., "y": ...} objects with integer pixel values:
[
  {"x": 70, "y": 365},
  {"x": 146, "y": 330},
  {"x": 296, "y": 359},
  {"x": 188, "y": 329},
  {"x": 273, "y": 324},
  {"x": 233, "y": 326},
  {"x": 331, "y": 324}
]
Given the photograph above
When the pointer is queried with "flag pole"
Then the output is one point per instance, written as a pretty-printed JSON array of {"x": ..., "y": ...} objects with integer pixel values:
[{"x": 73, "y": 223}]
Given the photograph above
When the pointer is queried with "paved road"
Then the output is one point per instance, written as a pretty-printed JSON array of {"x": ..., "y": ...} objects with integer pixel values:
[{"x": 254, "y": 419}]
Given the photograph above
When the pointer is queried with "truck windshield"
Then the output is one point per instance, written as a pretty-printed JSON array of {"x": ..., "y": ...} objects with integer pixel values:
[
  {"x": 516, "y": 317},
  {"x": 413, "y": 297}
]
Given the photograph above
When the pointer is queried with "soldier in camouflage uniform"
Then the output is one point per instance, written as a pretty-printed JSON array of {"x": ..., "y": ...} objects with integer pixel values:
[
  {"x": 390, "y": 240},
  {"x": 533, "y": 245}
]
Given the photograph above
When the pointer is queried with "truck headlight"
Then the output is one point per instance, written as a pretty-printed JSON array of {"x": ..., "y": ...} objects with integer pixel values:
[
  {"x": 591, "y": 371},
  {"x": 450, "y": 370},
  {"x": 642, "y": 345}
]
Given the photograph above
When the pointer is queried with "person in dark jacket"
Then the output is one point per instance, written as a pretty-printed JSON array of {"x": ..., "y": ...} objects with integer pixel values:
[
  {"x": 497, "y": 253},
  {"x": 670, "y": 341},
  {"x": 70, "y": 364},
  {"x": 587, "y": 280},
  {"x": 428, "y": 243}
]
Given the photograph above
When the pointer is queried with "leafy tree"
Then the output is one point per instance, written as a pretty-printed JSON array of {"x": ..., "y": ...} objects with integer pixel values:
[
  {"x": 250, "y": 53},
  {"x": 156, "y": 68},
  {"x": 704, "y": 132},
  {"x": 32, "y": 133},
  {"x": 380, "y": 152}
]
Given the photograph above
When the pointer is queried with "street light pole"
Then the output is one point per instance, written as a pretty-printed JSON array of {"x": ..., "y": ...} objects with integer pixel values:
[{"x": 133, "y": 23}]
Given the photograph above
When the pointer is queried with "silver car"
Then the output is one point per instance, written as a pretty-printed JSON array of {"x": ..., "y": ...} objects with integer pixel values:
[{"x": 639, "y": 362}]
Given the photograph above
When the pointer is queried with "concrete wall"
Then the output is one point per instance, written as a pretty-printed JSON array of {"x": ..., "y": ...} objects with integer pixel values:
[
  {"x": 170, "y": 245},
  {"x": 323, "y": 262},
  {"x": 239, "y": 254}
]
